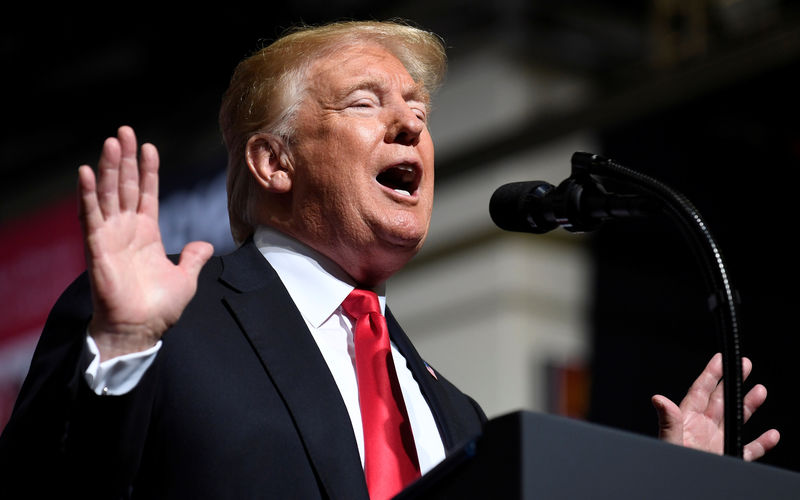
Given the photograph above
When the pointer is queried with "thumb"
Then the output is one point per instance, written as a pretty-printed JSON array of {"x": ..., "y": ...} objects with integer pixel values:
[
  {"x": 194, "y": 256},
  {"x": 670, "y": 420}
]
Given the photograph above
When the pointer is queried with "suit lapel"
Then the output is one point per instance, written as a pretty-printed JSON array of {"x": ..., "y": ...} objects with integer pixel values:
[
  {"x": 292, "y": 360},
  {"x": 446, "y": 417}
]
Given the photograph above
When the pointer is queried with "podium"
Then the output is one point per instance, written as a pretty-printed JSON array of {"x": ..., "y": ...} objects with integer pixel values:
[{"x": 526, "y": 455}]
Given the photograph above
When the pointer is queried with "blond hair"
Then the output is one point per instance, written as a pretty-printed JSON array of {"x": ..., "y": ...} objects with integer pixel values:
[{"x": 267, "y": 88}]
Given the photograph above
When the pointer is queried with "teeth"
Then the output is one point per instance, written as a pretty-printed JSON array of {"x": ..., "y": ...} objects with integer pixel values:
[{"x": 402, "y": 191}]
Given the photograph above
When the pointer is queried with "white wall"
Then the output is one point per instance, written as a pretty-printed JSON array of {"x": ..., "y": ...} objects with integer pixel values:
[{"x": 488, "y": 308}]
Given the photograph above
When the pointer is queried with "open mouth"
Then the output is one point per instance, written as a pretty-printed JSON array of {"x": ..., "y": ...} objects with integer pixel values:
[{"x": 403, "y": 179}]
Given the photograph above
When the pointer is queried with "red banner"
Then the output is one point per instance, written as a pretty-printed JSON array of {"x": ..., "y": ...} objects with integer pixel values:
[{"x": 40, "y": 254}]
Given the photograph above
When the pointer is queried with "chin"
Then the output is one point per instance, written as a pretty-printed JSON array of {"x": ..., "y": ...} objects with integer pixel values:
[
  {"x": 404, "y": 232},
  {"x": 402, "y": 241}
]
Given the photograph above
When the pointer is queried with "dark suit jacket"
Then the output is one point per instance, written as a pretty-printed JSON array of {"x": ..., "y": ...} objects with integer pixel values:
[{"x": 239, "y": 403}]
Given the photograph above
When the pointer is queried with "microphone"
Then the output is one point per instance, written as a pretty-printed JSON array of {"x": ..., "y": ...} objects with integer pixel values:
[{"x": 578, "y": 204}]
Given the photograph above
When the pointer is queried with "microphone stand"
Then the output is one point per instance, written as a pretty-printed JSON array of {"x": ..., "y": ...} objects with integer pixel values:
[{"x": 722, "y": 300}]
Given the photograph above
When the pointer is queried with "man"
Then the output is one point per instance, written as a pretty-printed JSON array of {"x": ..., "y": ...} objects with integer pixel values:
[{"x": 240, "y": 376}]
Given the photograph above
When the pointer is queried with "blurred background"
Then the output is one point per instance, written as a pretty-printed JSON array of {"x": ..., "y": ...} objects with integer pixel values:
[{"x": 700, "y": 94}]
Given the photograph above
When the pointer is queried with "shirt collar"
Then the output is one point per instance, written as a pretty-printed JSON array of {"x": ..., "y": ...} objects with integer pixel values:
[{"x": 316, "y": 284}]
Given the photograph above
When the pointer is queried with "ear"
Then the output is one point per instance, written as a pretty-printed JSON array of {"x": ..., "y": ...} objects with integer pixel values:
[{"x": 269, "y": 163}]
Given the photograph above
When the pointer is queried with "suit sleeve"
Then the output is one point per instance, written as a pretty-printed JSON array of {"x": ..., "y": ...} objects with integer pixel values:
[{"x": 62, "y": 437}]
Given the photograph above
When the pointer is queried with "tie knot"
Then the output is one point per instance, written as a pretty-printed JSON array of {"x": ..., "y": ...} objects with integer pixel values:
[{"x": 360, "y": 303}]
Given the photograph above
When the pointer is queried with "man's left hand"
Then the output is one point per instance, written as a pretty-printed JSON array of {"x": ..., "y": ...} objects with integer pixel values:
[{"x": 698, "y": 422}]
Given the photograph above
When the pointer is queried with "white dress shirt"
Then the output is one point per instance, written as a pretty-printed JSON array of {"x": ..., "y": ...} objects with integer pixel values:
[{"x": 317, "y": 286}]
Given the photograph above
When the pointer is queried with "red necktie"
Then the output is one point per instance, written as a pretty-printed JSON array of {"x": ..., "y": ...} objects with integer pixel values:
[{"x": 390, "y": 456}]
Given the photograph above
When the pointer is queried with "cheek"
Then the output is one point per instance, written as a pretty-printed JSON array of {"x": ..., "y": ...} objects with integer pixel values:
[
  {"x": 342, "y": 150},
  {"x": 316, "y": 168},
  {"x": 366, "y": 132}
]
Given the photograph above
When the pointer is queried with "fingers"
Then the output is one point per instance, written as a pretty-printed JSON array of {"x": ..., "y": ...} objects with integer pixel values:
[
  {"x": 707, "y": 392},
  {"x": 697, "y": 399},
  {"x": 761, "y": 445},
  {"x": 753, "y": 400},
  {"x": 128, "y": 176},
  {"x": 125, "y": 182},
  {"x": 88, "y": 207},
  {"x": 148, "y": 182},
  {"x": 108, "y": 177},
  {"x": 716, "y": 402},
  {"x": 670, "y": 420}
]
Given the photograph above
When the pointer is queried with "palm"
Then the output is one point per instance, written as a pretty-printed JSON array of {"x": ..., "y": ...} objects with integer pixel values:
[
  {"x": 137, "y": 291},
  {"x": 703, "y": 430},
  {"x": 132, "y": 279}
]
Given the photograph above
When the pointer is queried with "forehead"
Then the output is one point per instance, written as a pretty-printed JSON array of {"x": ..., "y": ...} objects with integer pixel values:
[{"x": 361, "y": 65}]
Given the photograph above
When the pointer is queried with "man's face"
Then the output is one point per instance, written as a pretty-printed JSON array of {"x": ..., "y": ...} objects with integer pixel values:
[{"x": 362, "y": 188}]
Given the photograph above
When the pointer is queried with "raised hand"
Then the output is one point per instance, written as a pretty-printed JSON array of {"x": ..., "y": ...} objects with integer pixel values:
[
  {"x": 137, "y": 292},
  {"x": 699, "y": 420}
]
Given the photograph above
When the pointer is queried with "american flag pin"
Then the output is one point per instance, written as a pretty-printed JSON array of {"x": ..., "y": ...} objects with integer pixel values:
[{"x": 430, "y": 370}]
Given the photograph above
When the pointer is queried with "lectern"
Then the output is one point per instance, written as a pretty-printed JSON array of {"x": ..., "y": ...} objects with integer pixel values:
[{"x": 527, "y": 455}]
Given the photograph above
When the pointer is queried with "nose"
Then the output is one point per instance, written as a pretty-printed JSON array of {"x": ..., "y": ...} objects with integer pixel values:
[{"x": 405, "y": 126}]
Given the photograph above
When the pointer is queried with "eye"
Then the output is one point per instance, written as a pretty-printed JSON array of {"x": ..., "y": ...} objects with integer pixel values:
[
  {"x": 362, "y": 99},
  {"x": 421, "y": 113},
  {"x": 362, "y": 103}
]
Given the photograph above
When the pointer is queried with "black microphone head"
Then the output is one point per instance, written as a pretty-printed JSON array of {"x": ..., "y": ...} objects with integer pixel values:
[{"x": 521, "y": 206}]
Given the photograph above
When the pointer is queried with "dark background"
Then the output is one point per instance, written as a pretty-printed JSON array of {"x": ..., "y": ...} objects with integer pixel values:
[
  {"x": 736, "y": 154},
  {"x": 714, "y": 115}
]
